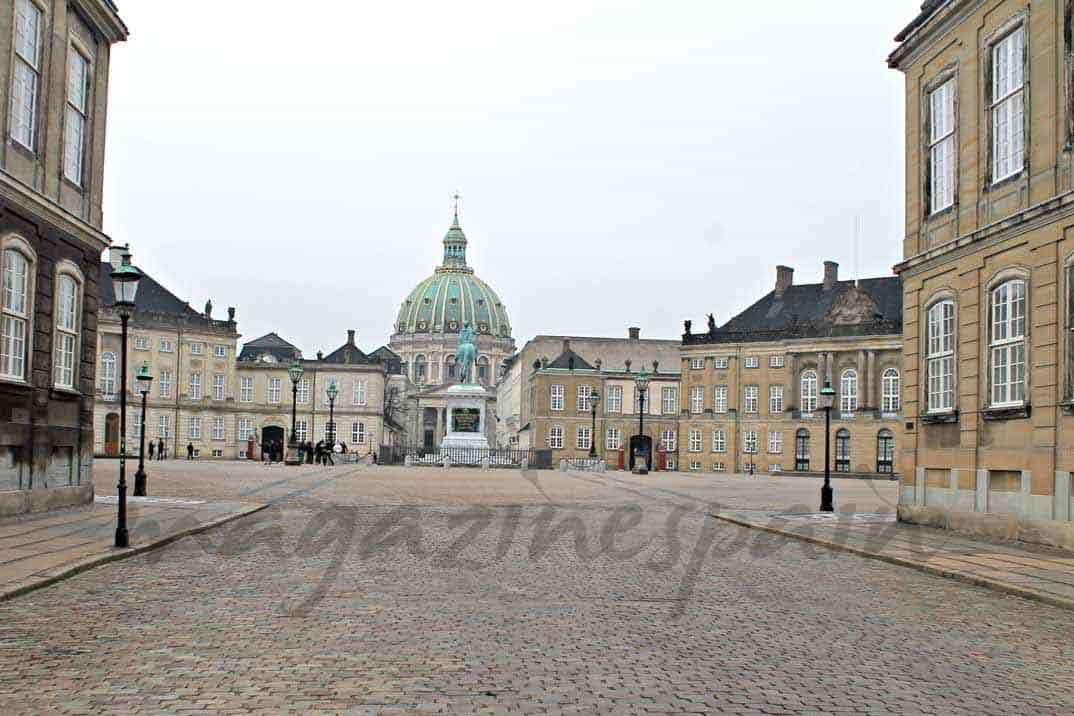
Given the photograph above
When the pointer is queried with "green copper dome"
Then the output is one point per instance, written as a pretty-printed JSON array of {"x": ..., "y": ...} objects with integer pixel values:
[{"x": 452, "y": 296}]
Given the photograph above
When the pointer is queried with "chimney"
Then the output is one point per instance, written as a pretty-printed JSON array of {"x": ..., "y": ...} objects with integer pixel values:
[
  {"x": 784, "y": 280},
  {"x": 115, "y": 254},
  {"x": 831, "y": 275},
  {"x": 350, "y": 337},
  {"x": 635, "y": 333},
  {"x": 320, "y": 355},
  {"x": 231, "y": 314},
  {"x": 566, "y": 344}
]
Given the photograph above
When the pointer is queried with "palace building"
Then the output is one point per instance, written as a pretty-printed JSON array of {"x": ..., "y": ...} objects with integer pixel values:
[{"x": 988, "y": 268}]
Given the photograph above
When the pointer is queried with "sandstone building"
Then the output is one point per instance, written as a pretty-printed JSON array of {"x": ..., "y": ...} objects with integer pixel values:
[
  {"x": 55, "y": 59},
  {"x": 988, "y": 267}
]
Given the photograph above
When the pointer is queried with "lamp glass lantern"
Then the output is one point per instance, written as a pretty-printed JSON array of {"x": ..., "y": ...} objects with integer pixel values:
[
  {"x": 125, "y": 286},
  {"x": 144, "y": 379},
  {"x": 295, "y": 371},
  {"x": 594, "y": 398},
  {"x": 642, "y": 381},
  {"x": 827, "y": 394},
  {"x": 333, "y": 390}
]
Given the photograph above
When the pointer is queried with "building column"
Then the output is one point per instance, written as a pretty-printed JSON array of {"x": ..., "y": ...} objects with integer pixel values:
[
  {"x": 829, "y": 367},
  {"x": 871, "y": 390}
]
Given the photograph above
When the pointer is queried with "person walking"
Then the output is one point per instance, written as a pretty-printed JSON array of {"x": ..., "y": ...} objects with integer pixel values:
[
  {"x": 152, "y": 449},
  {"x": 160, "y": 448},
  {"x": 190, "y": 451}
]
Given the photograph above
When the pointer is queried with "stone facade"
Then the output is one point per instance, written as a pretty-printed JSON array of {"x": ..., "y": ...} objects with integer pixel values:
[
  {"x": 987, "y": 269},
  {"x": 51, "y": 187}
]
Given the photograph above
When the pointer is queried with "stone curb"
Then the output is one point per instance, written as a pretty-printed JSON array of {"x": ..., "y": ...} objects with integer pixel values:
[
  {"x": 115, "y": 555},
  {"x": 968, "y": 577}
]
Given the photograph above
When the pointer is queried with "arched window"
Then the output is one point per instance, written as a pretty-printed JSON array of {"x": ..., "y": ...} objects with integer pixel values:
[
  {"x": 885, "y": 451},
  {"x": 108, "y": 374},
  {"x": 801, "y": 450},
  {"x": 809, "y": 391},
  {"x": 483, "y": 369},
  {"x": 420, "y": 369},
  {"x": 1008, "y": 343},
  {"x": 16, "y": 308},
  {"x": 450, "y": 368},
  {"x": 842, "y": 450},
  {"x": 848, "y": 391},
  {"x": 940, "y": 357},
  {"x": 889, "y": 391},
  {"x": 67, "y": 322}
]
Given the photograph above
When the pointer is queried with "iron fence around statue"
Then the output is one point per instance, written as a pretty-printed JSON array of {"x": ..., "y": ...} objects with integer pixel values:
[{"x": 510, "y": 457}]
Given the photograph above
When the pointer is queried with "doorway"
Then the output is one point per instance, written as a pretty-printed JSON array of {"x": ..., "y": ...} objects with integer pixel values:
[
  {"x": 801, "y": 451},
  {"x": 270, "y": 435}
]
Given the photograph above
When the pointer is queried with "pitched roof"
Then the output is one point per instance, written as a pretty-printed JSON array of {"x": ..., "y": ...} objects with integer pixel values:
[
  {"x": 348, "y": 354},
  {"x": 569, "y": 360},
  {"x": 151, "y": 297},
  {"x": 270, "y": 344},
  {"x": 928, "y": 7},
  {"x": 871, "y": 307}
]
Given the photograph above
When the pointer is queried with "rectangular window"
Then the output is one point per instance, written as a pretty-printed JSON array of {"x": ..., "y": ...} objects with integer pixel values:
[
  {"x": 218, "y": 387},
  {"x": 304, "y": 387},
  {"x": 670, "y": 400},
  {"x": 751, "y": 397},
  {"x": 218, "y": 452},
  {"x": 775, "y": 399},
  {"x": 697, "y": 364},
  {"x": 246, "y": 429},
  {"x": 358, "y": 433},
  {"x": 848, "y": 392},
  {"x": 670, "y": 463},
  {"x": 749, "y": 442},
  {"x": 1008, "y": 105},
  {"x": 164, "y": 427},
  {"x": 556, "y": 399},
  {"x": 942, "y": 146},
  {"x": 141, "y": 343},
  {"x": 246, "y": 390},
  {"x": 583, "y": 395},
  {"x": 775, "y": 468},
  {"x": 555, "y": 437},
  {"x": 74, "y": 130},
  {"x": 719, "y": 396},
  {"x": 1008, "y": 344},
  {"x": 718, "y": 467},
  {"x": 165, "y": 383},
  {"x": 719, "y": 441},
  {"x": 695, "y": 466},
  {"x": 615, "y": 399},
  {"x": 940, "y": 350},
  {"x": 196, "y": 349},
  {"x": 302, "y": 431},
  {"x": 274, "y": 390},
  {"x": 16, "y": 315},
  {"x": 694, "y": 441},
  {"x": 613, "y": 439},
  {"x": 720, "y": 362},
  {"x": 165, "y": 345},
  {"x": 697, "y": 399},
  {"x": 670, "y": 439},
  {"x": 775, "y": 442},
  {"x": 23, "y": 108},
  {"x": 752, "y": 362},
  {"x": 67, "y": 310},
  {"x": 220, "y": 351},
  {"x": 583, "y": 438},
  {"x": 775, "y": 361},
  {"x": 194, "y": 427},
  {"x": 195, "y": 386},
  {"x": 359, "y": 392}
]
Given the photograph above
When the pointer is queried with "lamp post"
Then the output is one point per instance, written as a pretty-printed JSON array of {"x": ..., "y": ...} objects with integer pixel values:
[
  {"x": 125, "y": 288},
  {"x": 144, "y": 380},
  {"x": 642, "y": 385},
  {"x": 333, "y": 391},
  {"x": 295, "y": 374},
  {"x": 594, "y": 401},
  {"x": 827, "y": 394}
]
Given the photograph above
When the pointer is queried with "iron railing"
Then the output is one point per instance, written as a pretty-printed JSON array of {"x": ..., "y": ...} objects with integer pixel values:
[{"x": 472, "y": 457}]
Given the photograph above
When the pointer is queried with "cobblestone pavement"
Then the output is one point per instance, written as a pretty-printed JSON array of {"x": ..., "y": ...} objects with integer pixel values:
[{"x": 361, "y": 591}]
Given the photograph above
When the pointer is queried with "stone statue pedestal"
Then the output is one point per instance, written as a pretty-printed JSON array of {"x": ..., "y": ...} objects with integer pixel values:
[{"x": 466, "y": 418}]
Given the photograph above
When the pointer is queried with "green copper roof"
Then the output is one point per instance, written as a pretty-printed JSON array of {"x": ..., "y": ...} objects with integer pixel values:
[{"x": 452, "y": 296}]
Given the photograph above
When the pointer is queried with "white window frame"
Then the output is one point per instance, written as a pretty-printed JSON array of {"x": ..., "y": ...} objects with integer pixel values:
[
  {"x": 108, "y": 374},
  {"x": 220, "y": 351},
  {"x": 358, "y": 433},
  {"x": 1008, "y": 105},
  {"x": 749, "y": 442},
  {"x": 940, "y": 356},
  {"x": 26, "y": 73},
  {"x": 718, "y": 467},
  {"x": 302, "y": 430},
  {"x": 751, "y": 398},
  {"x": 274, "y": 385},
  {"x": 942, "y": 147},
  {"x": 697, "y": 364},
  {"x": 890, "y": 392},
  {"x": 614, "y": 402},
  {"x": 775, "y": 442},
  {"x": 197, "y": 349},
  {"x": 67, "y": 326},
  {"x": 164, "y": 382},
  {"x": 305, "y": 388},
  {"x": 775, "y": 399},
  {"x": 613, "y": 439},
  {"x": 218, "y": 387},
  {"x": 76, "y": 117},
  {"x": 360, "y": 392},
  {"x": 18, "y": 271},
  {"x": 582, "y": 403},
  {"x": 693, "y": 440},
  {"x": 808, "y": 383},
  {"x": 775, "y": 361},
  {"x": 719, "y": 440},
  {"x": 195, "y": 386},
  {"x": 720, "y": 362},
  {"x": 719, "y": 399},
  {"x": 670, "y": 438},
  {"x": 164, "y": 426},
  {"x": 697, "y": 399},
  {"x": 141, "y": 343},
  {"x": 669, "y": 401},
  {"x": 166, "y": 346},
  {"x": 556, "y": 397},
  {"x": 246, "y": 389},
  {"x": 1007, "y": 345},
  {"x": 555, "y": 437},
  {"x": 752, "y": 362},
  {"x": 245, "y": 429},
  {"x": 583, "y": 437},
  {"x": 193, "y": 427},
  {"x": 848, "y": 391}
]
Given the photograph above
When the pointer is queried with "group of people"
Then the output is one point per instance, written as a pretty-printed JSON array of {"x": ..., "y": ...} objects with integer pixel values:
[
  {"x": 320, "y": 453},
  {"x": 156, "y": 449}
]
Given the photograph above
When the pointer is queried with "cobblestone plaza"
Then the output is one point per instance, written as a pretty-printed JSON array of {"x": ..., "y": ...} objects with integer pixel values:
[{"x": 377, "y": 590}]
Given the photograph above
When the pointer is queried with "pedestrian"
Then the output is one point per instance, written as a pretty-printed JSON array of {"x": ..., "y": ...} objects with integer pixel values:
[
  {"x": 152, "y": 447},
  {"x": 160, "y": 448}
]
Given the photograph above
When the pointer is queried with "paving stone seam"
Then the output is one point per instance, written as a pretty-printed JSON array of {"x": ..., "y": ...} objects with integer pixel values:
[
  {"x": 955, "y": 574},
  {"x": 82, "y": 566}
]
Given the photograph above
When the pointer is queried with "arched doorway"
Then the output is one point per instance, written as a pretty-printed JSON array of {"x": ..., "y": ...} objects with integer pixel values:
[
  {"x": 801, "y": 451},
  {"x": 642, "y": 446},
  {"x": 270, "y": 435},
  {"x": 111, "y": 435}
]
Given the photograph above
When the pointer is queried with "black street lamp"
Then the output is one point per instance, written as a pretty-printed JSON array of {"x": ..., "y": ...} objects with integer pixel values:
[
  {"x": 333, "y": 391},
  {"x": 827, "y": 394},
  {"x": 144, "y": 380},
  {"x": 642, "y": 384},
  {"x": 295, "y": 374},
  {"x": 594, "y": 401},
  {"x": 124, "y": 288}
]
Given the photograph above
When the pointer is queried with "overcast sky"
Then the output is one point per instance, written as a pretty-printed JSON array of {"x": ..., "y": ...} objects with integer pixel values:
[{"x": 621, "y": 163}]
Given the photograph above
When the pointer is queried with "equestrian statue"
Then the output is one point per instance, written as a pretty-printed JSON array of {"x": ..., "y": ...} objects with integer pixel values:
[{"x": 466, "y": 355}]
